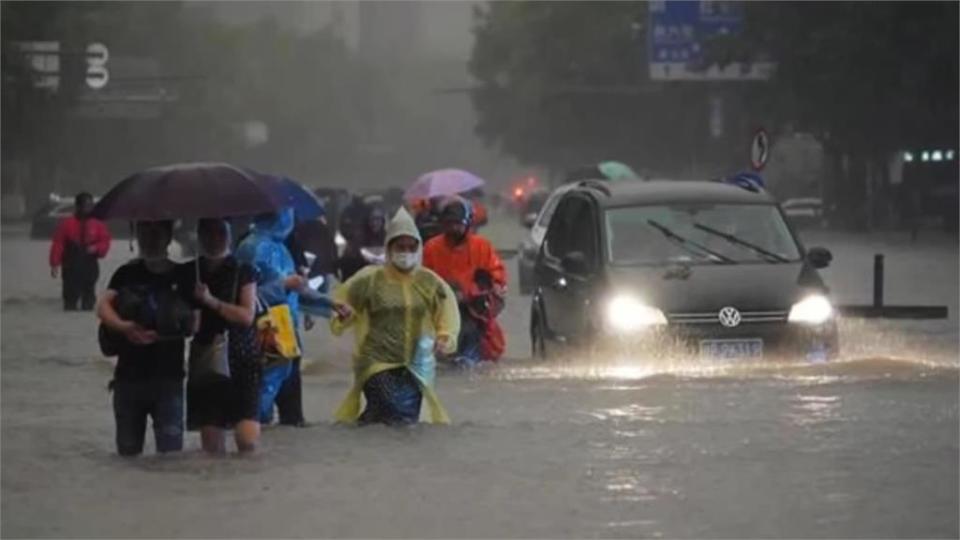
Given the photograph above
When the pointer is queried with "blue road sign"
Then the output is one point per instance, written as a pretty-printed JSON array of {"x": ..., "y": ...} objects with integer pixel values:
[{"x": 677, "y": 31}]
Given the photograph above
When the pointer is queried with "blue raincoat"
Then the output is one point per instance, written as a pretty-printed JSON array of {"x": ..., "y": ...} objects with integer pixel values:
[{"x": 264, "y": 250}]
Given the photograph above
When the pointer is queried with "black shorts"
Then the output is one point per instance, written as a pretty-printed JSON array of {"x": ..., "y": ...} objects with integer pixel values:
[
  {"x": 220, "y": 401},
  {"x": 209, "y": 402}
]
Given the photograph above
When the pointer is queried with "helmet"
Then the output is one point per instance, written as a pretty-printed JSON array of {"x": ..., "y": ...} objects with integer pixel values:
[{"x": 456, "y": 209}]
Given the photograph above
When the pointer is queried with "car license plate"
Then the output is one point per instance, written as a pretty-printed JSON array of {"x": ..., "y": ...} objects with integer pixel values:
[{"x": 729, "y": 349}]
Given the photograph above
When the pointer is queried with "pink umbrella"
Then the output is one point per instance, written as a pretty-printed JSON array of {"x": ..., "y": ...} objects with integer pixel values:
[{"x": 441, "y": 183}]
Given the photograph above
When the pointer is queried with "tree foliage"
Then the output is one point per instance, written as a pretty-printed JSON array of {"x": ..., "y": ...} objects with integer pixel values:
[
  {"x": 566, "y": 81},
  {"x": 865, "y": 78},
  {"x": 561, "y": 83}
]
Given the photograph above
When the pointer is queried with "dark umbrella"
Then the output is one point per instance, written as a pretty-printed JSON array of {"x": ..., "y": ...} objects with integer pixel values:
[
  {"x": 306, "y": 206},
  {"x": 190, "y": 191}
]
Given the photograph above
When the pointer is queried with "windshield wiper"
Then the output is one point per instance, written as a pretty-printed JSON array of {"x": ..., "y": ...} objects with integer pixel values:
[
  {"x": 686, "y": 243},
  {"x": 741, "y": 242}
]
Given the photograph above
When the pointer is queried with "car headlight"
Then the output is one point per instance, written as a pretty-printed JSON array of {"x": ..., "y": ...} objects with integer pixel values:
[
  {"x": 627, "y": 313},
  {"x": 814, "y": 309}
]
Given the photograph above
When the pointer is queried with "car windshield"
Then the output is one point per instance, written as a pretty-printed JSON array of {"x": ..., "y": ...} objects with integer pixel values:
[{"x": 698, "y": 234}]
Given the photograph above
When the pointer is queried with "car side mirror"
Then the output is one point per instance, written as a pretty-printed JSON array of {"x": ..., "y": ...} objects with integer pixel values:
[
  {"x": 529, "y": 220},
  {"x": 819, "y": 257},
  {"x": 575, "y": 262}
]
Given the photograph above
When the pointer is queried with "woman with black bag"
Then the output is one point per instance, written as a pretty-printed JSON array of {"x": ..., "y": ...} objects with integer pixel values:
[{"x": 224, "y": 375}]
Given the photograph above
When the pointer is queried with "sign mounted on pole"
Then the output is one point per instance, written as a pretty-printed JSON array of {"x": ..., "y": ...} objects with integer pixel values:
[{"x": 677, "y": 32}]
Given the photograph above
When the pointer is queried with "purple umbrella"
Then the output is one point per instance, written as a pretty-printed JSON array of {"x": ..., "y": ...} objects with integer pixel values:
[
  {"x": 443, "y": 183},
  {"x": 190, "y": 191}
]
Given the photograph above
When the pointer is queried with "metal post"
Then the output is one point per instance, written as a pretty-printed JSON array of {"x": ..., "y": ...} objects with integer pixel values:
[{"x": 878, "y": 280}]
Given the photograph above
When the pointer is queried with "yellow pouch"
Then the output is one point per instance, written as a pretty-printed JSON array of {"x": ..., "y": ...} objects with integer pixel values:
[{"x": 277, "y": 334}]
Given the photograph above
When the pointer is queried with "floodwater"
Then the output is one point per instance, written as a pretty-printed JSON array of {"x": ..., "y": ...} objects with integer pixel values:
[{"x": 863, "y": 447}]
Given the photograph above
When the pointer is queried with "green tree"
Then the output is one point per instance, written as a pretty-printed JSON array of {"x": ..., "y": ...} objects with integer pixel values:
[
  {"x": 867, "y": 79},
  {"x": 563, "y": 83}
]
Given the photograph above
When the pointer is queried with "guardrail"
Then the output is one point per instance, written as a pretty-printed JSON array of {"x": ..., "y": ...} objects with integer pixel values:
[{"x": 879, "y": 310}]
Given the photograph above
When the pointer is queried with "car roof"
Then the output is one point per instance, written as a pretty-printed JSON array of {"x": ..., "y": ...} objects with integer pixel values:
[
  {"x": 633, "y": 193},
  {"x": 802, "y": 201}
]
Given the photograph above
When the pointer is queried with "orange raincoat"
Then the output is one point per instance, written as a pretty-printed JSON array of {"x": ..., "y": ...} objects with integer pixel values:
[{"x": 457, "y": 265}]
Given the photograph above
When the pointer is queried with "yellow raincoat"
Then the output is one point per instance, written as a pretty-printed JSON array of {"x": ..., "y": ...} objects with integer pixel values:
[{"x": 391, "y": 311}]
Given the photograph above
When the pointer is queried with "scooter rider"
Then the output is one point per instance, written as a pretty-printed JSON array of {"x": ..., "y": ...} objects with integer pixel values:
[{"x": 470, "y": 264}]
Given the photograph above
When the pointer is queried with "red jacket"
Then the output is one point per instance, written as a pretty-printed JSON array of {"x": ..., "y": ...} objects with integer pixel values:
[
  {"x": 69, "y": 230},
  {"x": 456, "y": 264}
]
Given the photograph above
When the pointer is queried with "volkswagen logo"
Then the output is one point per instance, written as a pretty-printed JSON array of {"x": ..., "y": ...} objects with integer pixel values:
[{"x": 729, "y": 317}]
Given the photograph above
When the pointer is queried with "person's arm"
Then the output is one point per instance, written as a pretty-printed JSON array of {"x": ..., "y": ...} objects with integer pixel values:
[
  {"x": 240, "y": 313},
  {"x": 349, "y": 299},
  {"x": 56, "y": 247},
  {"x": 112, "y": 320},
  {"x": 294, "y": 282},
  {"x": 446, "y": 319},
  {"x": 102, "y": 244},
  {"x": 494, "y": 264},
  {"x": 273, "y": 287}
]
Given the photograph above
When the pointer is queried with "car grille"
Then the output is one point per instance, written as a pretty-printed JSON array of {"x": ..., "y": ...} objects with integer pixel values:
[{"x": 711, "y": 317}]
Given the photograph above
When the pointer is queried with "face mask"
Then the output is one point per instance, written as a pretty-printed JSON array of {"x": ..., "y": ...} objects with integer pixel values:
[
  {"x": 405, "y": 261},
  {"x": 152, "y": 252},
  {"x": 218, "y": 254}
]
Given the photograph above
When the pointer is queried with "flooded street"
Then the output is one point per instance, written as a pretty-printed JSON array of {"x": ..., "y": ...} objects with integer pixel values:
[{"x": 864, "y": 447}]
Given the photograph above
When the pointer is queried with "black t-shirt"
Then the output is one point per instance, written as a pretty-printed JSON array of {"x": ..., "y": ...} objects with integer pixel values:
[
  {"x": 224, "y": 283},
  {"x": 162, "y": 359}
]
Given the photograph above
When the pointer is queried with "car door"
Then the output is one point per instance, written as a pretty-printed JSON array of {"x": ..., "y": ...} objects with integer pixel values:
[
  {"x": 584, "y": 239},
  {"x": 531, "y": 244},
  {"x": 564, "y": 291}
]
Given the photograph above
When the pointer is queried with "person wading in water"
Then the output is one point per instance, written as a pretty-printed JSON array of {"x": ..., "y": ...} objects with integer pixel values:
[{"x": 78, "y": 243}]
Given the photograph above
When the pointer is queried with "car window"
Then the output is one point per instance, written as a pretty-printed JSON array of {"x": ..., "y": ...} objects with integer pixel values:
[
  {"x": 548, "y": 209},
  {"x": 570, "y": 231},
  {"x": 581, "y": 233},
  {"x": 557, "y": 238}
]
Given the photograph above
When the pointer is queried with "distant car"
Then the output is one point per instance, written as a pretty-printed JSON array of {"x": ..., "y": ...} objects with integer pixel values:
[
  {"x": 45, "y": 220},
  {"x": 519, "y": 192},
  {"x": 701, "y": 268},
  {"x": 804, "y": 212},
  {"x": 530, "y": 246}
]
